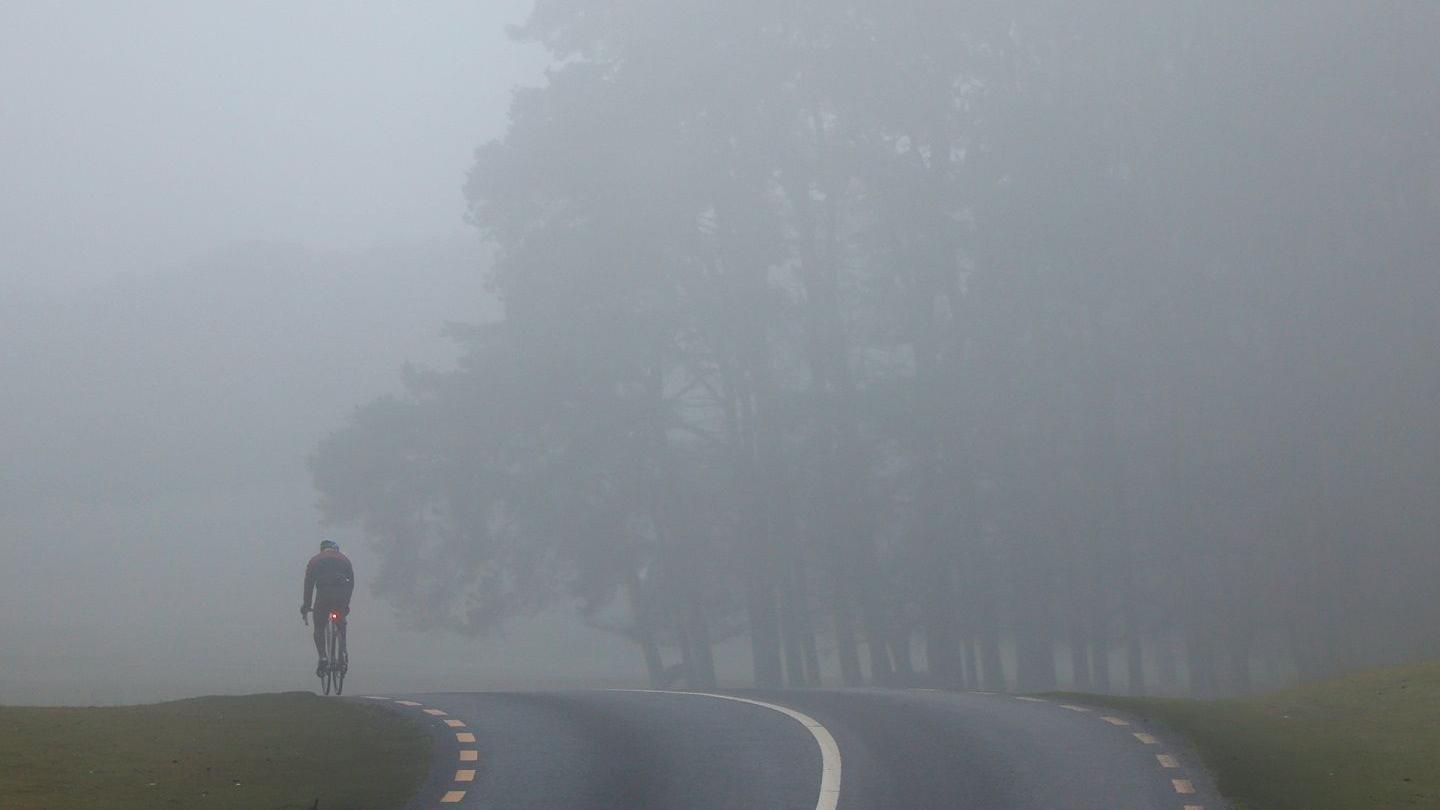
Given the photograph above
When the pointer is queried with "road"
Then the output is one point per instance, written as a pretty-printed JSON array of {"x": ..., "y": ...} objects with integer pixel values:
[{"x": 796, "y": 750}]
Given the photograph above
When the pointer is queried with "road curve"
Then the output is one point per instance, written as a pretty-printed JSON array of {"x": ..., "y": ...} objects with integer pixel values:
[{"x": 914, "y": 749}]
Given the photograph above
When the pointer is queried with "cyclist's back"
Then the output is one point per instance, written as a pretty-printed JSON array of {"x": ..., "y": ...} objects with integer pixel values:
[{"x": 332, "y": 578}]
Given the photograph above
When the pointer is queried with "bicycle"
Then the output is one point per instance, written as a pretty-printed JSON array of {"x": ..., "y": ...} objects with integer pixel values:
[{"x": 337, "y": 655}]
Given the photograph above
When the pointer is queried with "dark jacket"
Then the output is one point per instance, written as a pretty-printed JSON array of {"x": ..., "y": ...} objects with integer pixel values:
[{"x": 330, "y": 577}]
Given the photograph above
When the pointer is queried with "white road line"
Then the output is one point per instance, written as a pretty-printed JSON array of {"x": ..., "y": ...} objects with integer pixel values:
[
  {"x": 453, "y": 797},
  {"x": 1030, "y": 699},
  {"x": 375, "y": 697},
  {"x": 1074, "y": 708},
  {"x": 407, "y": 703},
  {"x": 465, "y": 775},
  {"x": 469, "y": 756},
  {"x": 1183, "y": 786},
  {"x": 1167, "y": 761},
  {"x": 455, "y": 723},
  {"x": 1115, "y": 721},
  {"x": 1146, "y": 738},
  {"x": 1193, "y": 807},
  {"x": 464, "y": 736},
  {"x": 435, "y": 712},
  {"x": 829, "y": 751}
]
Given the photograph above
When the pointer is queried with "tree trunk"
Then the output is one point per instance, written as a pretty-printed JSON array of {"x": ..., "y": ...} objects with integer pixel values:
[
  {"x": 846, "y": 644},
  {"x": 764, "y": 632},
  {"x": 876, "y": 636},
  {"x": 791, "y": 634},
  {"x": 1100, "y": 664},
  {"x": 1079, "y": 657},
  {"x": 1200, "y": 660},
  {"x": 1034, "y": 645},
  {"x": 900, "y": 651},
  {"x": 1166, "y": 667},
  {"x": 992, "y": 666},
  {"x": 1134, "y": 652},
  {"x": 645, "y": 630},
  {"x": 760, "y": 610},
  {"x": 969, "y": 674},
  {"x": 806, "y": 624},
  {"x": 702, "y": 658}
]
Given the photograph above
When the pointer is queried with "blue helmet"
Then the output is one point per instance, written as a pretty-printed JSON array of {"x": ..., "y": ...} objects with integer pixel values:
[{"x": 327, "y": 544}]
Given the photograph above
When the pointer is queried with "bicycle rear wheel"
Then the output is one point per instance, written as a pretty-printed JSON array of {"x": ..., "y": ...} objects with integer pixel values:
[
  {"x": 328, "y": 673},
  {"x": 340, "y": 659}
]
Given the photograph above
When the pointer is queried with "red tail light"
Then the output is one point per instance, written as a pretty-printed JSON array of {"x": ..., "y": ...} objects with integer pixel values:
[{"x": 334, "y": 615}]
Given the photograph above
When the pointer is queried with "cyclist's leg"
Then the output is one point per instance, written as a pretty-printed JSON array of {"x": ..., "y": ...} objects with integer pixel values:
[
  {"x": 344, "y": 607},
  {"x": 319, "y": 618},
  {"x": 324, "y": 603}
]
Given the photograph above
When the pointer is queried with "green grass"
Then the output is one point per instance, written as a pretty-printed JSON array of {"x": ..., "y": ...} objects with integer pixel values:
[
  {"x": 263, "y": 752},
  {"x": 1369, "y": 741}
]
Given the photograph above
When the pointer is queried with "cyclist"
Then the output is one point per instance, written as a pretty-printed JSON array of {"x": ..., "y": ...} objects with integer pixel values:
[{"x": 331, "y": 577}]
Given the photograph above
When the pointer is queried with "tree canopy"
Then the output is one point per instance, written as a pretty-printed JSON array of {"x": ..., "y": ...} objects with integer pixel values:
[{"x": 997, "y": 344}]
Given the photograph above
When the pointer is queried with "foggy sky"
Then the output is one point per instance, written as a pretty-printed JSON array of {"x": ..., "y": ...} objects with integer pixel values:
[{"x": 136, "y": 135}]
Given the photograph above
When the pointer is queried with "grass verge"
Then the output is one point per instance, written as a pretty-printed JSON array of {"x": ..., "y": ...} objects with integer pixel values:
[
  {"x": 1366, "y": 741},
  {"x": 260, "y": 751}
]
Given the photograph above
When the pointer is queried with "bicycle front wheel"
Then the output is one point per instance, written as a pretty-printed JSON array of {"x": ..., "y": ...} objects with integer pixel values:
[
  {"x": 328, "y": 673},
  {"x": 341, "y": 659}
]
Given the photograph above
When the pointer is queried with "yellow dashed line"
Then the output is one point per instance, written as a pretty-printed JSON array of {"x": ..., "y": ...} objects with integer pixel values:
[
  {"x": 1115, "y": 721},
  {"x": 1146, "y": 738},
  {"x": 1167, "y": 761},
  {"x": 466, "y": 755},
  {"x": 1076, "y": 708},
  {"x": 1183, "y": 786}
]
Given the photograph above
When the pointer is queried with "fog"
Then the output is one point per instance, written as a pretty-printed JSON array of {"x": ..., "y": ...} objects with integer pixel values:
[
  {"x": 999, "y": 345},
  {"x": 141, "y": 135}
]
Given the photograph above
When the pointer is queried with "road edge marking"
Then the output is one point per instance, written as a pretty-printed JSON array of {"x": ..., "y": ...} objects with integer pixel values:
[{"x": 829, "y": 751}]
